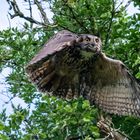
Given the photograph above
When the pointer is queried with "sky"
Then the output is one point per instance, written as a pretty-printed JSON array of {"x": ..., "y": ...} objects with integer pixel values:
[
  {"x": 5, "y": 95},
  {"x": 6, "y": 22}
]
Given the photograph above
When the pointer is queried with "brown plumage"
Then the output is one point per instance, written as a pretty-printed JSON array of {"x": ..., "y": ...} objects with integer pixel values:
[{"x": 72, "y": 65}]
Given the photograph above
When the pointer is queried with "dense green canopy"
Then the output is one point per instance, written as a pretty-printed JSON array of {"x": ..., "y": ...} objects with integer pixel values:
[{"x": 50, "y": 118}]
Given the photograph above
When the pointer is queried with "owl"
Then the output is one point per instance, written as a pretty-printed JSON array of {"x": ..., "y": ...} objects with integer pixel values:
[{"x": 72, "y": 65}]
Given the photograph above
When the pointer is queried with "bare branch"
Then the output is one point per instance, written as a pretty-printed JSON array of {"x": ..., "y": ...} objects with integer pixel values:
[
  {"x": 110, "y": 132},
  {"x": 128, "y": 3},
  {"x": 9, "y": 21},
  {"x": 43, "y": 14},
  {"x": 30, "y": 8},
  {"x": 17, "y": 13}
]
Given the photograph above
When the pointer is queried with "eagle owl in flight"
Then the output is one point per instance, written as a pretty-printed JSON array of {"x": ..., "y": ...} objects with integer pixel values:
[{"x": 72, "y": 65}]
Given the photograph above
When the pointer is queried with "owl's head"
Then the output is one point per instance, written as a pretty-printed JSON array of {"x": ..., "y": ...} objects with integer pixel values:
[{"x": 89, "y": 44}]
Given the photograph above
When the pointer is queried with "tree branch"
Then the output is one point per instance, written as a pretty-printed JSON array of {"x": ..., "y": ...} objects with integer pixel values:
[
  {"x": 110, "y": 132},
  {"x": 17, "y": 13},
  {"x": 110, "y": 24},
  {"x": 113, "y": 13},
  {"x": 75, "y": 17},
  {"x": 30, "y": 8},
  {"x": 41, "y": 10}
]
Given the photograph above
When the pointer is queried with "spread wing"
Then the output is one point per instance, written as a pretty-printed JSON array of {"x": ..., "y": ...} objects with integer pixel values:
[
  {"x": 113, "y": 88},
  {"x": 49, "y": 70}
]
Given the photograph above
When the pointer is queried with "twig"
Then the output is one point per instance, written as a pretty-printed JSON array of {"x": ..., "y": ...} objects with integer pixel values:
[
  {"x": 18, "y": 13},
  {"x": 30, "y": 8},
  {"x": 128, "y": 3},
  {"x": 111, "y": 132},
  {"x": 91, "y": 17},
  {"x": 75, "y": 17},
  {"x": 119, "y": 5},
  {"x": 110, "y": 24},
  {"x": 41, "y": 10},
  {"x": 10, "y": 100},
  {"x": 113, "y": 13},
  {"x": 9, "y": 22}
]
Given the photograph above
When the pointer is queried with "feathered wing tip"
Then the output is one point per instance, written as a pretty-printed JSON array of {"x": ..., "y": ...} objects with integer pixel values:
[
  {"x": 47, "y": 79},
  {"x": 41, "y": 75},
  {"x": 116, "y": 91}
]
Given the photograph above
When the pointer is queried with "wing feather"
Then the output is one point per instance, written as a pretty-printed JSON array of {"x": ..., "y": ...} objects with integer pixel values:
[
  {"x": 116, "y": 91},
  {"x": 46, "y": 71},
  {"x": 58, "y": 42}
]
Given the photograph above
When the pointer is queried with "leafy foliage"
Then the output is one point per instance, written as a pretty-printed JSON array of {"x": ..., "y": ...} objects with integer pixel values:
[{"x": 53, "y": 118}]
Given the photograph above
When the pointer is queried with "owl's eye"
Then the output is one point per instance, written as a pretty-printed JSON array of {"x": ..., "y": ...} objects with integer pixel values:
[
  {"x": 97, "y": 40},
  {"x": 87, "y": 39}
]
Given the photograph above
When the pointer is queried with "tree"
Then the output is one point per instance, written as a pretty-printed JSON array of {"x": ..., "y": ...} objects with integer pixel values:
[{"x": 53, "y": 118}]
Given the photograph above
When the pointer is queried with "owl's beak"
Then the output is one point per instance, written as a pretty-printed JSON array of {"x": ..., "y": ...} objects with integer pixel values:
[{"x": 92, "y": 47}]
